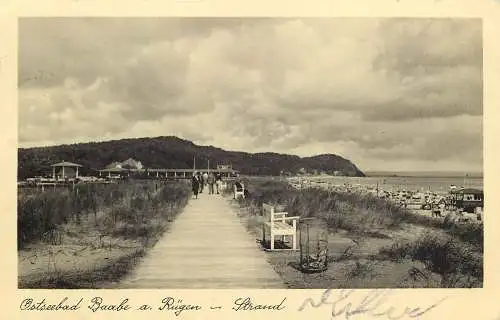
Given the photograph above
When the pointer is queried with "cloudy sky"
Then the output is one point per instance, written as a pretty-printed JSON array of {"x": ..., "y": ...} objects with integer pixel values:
[{"x": 388, "y": 94}]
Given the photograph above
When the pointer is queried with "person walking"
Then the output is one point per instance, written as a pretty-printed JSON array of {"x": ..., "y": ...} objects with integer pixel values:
[
  {"x": 211, "y": 182},
  {"x": 195, "y": 183},
  {"x": 204, "y": 178},
  {"x": 217, "y": 182},
  {"x": 200, "y": 182}
]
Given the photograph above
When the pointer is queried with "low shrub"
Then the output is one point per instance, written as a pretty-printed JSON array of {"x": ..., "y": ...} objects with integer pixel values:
[
  {"x": 458, "y": 262},
  {"x": 133, "y": 203},
  {"x": 352, "y": 212}
]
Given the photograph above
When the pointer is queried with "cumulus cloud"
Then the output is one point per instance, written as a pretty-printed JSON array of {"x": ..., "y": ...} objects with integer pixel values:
[{"x": 396, "y": 94}]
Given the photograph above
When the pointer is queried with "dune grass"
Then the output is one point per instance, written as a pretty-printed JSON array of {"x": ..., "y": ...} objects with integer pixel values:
[
  {"x": 459, "y": 264},
  {"x": 455, "y": 252},
  {"x": 114, "y": 222},
  {"x": 352, "y": 212},
  {"x": 359, "y": 213},
  {"x": 126, "y": 205}
]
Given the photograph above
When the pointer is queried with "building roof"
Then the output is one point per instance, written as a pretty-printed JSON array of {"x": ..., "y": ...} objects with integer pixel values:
[
  {"x": 115, "y": 169},
  {"x": 113, "y": 165},
  {"x": 66, "y": 164},
  {"x": 468, "y": 191}
]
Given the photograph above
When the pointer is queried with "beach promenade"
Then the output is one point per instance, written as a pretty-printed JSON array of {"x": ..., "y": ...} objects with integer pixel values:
[{"x": 206, "y": 247}]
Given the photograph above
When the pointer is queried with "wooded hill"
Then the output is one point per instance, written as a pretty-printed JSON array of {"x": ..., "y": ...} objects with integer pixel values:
[{"x": 175, "y": 153}]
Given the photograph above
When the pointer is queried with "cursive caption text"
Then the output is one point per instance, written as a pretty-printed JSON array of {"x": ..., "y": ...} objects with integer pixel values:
[{"x": 176, "y": 306}]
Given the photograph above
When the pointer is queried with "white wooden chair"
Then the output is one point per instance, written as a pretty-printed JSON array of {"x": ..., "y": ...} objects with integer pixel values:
[
  {"x": 239, "y": 190},
  {"x": 278, "y": 224}
]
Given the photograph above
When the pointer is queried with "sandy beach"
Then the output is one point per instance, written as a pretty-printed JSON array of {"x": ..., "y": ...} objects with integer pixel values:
[{"x": 419, "y": 200}]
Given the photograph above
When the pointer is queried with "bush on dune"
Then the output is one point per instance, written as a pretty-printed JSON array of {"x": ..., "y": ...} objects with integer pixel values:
[
  {"x": 450, "y": 250},
  {"x": 127, "y": 208},
  {"x": 352, "y": 212},
  {"x": 458, "y": 263},
  {"x": 468, "y": 232}
]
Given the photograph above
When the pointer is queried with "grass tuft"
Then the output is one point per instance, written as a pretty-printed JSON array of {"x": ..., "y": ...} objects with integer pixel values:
[{"x": 457, "y": 262}]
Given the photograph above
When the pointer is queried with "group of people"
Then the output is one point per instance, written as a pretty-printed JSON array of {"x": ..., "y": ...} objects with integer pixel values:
[{"x": 199, "y": 181}]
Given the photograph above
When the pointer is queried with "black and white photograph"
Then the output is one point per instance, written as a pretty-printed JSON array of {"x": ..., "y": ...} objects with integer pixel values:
[{"x": 250, "y": 153}]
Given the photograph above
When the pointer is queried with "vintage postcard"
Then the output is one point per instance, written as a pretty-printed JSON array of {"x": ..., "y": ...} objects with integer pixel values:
[{"x": 262, "y": 160}]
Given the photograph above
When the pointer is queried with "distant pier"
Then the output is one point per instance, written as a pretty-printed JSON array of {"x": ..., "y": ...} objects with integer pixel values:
[{"x": 169, "y": 173}]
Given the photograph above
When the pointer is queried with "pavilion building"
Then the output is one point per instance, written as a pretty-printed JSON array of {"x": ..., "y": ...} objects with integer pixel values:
[{"x": 65, "y": 170}]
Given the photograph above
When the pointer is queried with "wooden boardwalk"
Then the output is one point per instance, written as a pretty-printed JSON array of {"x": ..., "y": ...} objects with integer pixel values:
[{"x": 206, "y": 247}]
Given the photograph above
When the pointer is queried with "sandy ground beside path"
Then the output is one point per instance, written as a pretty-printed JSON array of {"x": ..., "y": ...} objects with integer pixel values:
[
  {"x": 352, "y": 260},
  {"x": 82, "y": 259}
]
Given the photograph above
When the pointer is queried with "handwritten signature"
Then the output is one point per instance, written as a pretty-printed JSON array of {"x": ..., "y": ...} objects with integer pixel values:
[{"x": 373, "y": 304}]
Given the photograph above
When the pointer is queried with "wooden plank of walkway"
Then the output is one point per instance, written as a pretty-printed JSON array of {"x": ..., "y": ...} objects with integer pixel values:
[{"x": 206, "y": 247}]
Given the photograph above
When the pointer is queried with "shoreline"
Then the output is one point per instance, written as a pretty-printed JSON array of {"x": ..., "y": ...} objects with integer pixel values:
[{"x": 417, "y": 200}]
